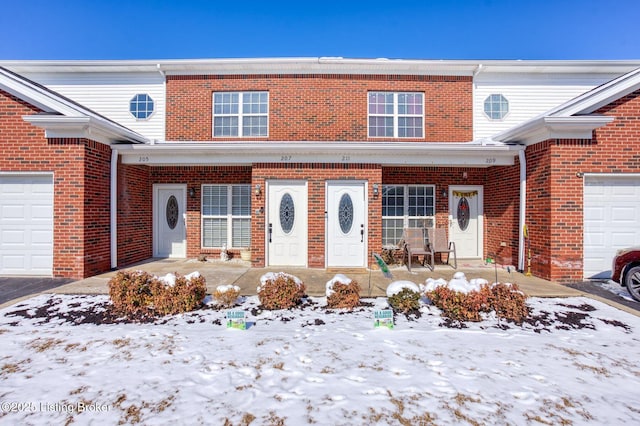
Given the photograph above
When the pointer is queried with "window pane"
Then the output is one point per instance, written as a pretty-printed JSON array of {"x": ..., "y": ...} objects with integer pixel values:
[
  {"x": 391, "y": 231},
  {"x": 241, "y": 233},
  {"x": 214, "y": 200},
  {"x": 214, "y": 232},
  {"x": 254, "y": 126},
  {"x": 392, "y": 200},
  {"x": 225, "y": 126},
  {"x": 381, "y": 126},
  {"x": 410, "y": 127},
  {"x": 241, "y": 200}
]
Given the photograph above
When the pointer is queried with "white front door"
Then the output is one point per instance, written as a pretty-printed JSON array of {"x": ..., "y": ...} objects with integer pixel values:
[
  {"x": 169, "y": 216},
  {"x": 465, "y": 220},
  {"x": 346, "y": 224},
  {"x": 287, "y": 223}
]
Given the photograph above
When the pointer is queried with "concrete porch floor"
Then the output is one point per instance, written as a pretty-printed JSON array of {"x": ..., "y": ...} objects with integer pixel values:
[{"x": 372, "y": 282}]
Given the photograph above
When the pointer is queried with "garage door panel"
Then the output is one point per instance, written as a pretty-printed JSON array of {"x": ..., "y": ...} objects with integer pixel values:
[
  {"x": 611, "y": 220},
  {"x": 26, "y": 224}
]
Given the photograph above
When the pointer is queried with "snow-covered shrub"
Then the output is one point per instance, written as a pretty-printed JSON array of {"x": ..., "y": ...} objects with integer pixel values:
[
  {"x": 461, "y": 304},
  {"x": 280, "y": 291},
  {"x": 342, "y": 292},
  {"x": 405, "y": 300},
  {"x": 140, "y": 292},
  {"x": 226, "y": 295},
  {"x": 397, "y": 286}
]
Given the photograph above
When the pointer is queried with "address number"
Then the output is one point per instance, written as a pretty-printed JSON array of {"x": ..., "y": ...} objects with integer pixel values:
[
  {"x": 285, "y": 158},
  {"x": 143, "y": 159},
  {"x": 491, "y": 160}
]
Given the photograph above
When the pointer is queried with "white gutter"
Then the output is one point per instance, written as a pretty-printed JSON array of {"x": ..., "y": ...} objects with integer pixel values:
[
  {"x": 523, "y": 208},
  {"x": 113, "y": 206}
]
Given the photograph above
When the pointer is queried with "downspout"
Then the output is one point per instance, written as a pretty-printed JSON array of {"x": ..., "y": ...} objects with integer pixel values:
[
  {"x": 113, "y": 214},
  {"x": 523, "y": 207}
]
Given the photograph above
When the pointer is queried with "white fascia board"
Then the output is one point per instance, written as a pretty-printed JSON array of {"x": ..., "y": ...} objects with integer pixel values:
[
  {"x": 60, "y": 126},
  {"x": 603, "y": 95},
  {"x": 543, "y": 128},
  {"x": 246, "y": 153}
]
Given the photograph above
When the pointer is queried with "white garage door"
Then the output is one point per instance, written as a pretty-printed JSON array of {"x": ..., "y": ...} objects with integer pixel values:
[
  {"x": 26, "y": 224},
  {"x": 611, "y": 220}
]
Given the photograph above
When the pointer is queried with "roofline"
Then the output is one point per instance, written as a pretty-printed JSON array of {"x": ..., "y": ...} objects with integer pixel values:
[
  {"x": 323, "y": 65},
  {"x": 58, "y": 109},
  {"x": 543, "y": 128}
]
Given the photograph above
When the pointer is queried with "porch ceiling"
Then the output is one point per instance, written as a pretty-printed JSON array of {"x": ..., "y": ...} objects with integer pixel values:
[{"x": 387, "y": 153}]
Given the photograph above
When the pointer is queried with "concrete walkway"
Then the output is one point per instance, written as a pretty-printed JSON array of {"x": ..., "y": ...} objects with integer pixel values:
[{"x": 372, "y": 282}]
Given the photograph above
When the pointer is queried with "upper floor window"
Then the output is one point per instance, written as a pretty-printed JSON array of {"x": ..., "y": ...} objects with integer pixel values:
[
  {"x": 240, "y": 114},
  {"x": 141, "y": 106},
  {"x": 396, "y": 115},
  {"x": 496, "y": 107}
]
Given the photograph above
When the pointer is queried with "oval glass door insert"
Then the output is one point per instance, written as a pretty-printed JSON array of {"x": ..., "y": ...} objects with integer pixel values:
[
  {"x": 345, "y": 213},
  {"x": 172, "y": 212},
  {"x": 463, "y": 213},
  {"x": 287, "y": 213}
]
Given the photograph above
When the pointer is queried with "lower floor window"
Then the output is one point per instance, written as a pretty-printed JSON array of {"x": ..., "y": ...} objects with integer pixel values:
[
  {"x": 406, "y": 206},
  {"x": 226, "y": 216}
]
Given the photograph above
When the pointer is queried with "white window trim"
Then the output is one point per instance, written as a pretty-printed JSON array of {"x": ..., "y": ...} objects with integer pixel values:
[
  {"x": 240, "y": 115},
  {"x": 406, "y": 218},
  {"x": 229, "y": 216},
  {"x": 153, "y": 111},
  {"x": 484, "y": 109},
  {"x": 396, "y": 115}
]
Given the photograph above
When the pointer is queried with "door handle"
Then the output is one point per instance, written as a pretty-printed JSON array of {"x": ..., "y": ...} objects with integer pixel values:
[
  {"x": 270, "y": 231},
  {"x": 362, "y": 232}
]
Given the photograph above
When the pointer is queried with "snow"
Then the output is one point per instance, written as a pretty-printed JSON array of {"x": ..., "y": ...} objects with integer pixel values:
[
  {"x": 313, "y": 365},
  {"x": 227, "y": 287},
  {"x": 397, "y": 286},
  {"x": 271, "y": 276},
  {"x": 337, "y": 278},
  {"x": 169, "y": 280}
]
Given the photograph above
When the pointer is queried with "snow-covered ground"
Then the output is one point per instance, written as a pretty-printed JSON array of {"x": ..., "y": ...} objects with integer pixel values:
[{"x": 576, "y": 362}]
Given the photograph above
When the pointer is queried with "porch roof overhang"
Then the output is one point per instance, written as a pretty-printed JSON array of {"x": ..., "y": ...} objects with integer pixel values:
[{"x": 468, "y": 154}]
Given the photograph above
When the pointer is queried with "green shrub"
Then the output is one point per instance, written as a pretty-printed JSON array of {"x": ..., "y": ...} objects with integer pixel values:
[
  {"x": 506, "y": 300},
  {"x": 139, "y": 292},
  {"x": 346, "y": 296},
  {"x": 281, "y": 292},
  {"x": 405, "y": 301}
]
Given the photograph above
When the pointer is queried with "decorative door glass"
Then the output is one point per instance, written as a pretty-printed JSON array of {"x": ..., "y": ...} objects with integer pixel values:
[
  {"x": 287, "y": 213},
  {"x": 345, "y": 213},
  {"x": 172, "y": 212}
]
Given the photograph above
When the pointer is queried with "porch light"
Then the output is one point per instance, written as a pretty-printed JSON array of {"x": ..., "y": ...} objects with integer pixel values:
[
  {"x": 375, "y": 189},
  {"x": 443, "y": 193},
  {"x": 192, "y": 192},
  {"x": 258, "y": 190}
]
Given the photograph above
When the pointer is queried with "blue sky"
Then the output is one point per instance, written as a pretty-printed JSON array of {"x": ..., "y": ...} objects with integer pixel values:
[{"x": 489, "y": 29}]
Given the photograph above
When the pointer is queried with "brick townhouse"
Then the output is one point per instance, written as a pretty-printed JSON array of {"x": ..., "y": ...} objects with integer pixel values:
[{"x": 316, "y": 162}]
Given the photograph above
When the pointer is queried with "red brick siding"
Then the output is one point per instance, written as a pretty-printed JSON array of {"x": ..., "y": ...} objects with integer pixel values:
[
  {"x": 555, "y": 193},
  {"x": 320, "y": 107},
  {"x": 501, "y": 210},
  {"x": 135, "y": 220},
  {"x": 80, "y": 235}
]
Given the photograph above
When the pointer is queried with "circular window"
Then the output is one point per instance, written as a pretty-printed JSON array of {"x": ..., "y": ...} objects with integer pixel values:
[
  {"x": 463, "y": 213},
  {"x": 172, "y": 212},
  {"x": 287, "y": 213},
  {"x": 496, "y": 107},
  {"x": 141, "y": 106},
  {"x": 345, "y": 213}
]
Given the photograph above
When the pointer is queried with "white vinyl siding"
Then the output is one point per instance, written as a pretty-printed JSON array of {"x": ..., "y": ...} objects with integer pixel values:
[
  {"x": 528, "y": 96},
  {"x": 406, "y": 206},
  {"x": 110, "y": 94},
  {"x": 226, "y": 216}
]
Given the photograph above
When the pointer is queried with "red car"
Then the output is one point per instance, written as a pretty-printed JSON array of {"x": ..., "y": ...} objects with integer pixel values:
[{"x": 626, "y": 270}]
